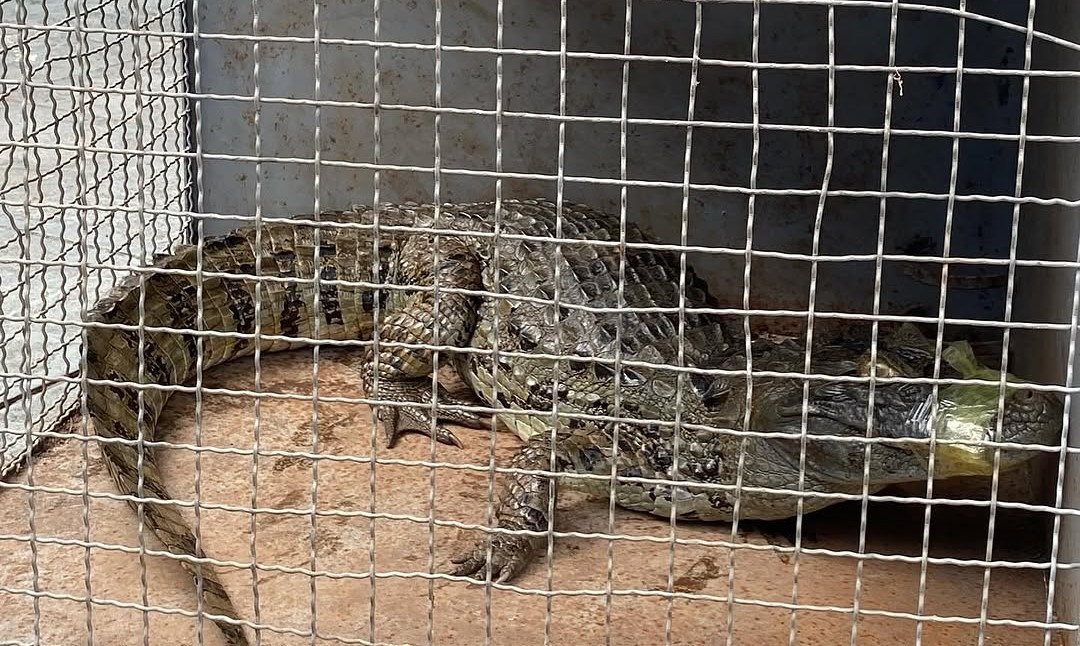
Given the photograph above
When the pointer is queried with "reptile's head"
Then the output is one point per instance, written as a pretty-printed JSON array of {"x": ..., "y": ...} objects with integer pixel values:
[{"x": 970, "y": 412}]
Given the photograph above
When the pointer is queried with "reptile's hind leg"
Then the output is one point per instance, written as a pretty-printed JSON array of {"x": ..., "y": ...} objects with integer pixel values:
[{"x": 405, "y": 373}]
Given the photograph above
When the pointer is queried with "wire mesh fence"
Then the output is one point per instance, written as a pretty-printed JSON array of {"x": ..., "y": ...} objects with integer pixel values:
[
  {"x": 838, "y": 175},
  {"x": 83, "y": 137}
]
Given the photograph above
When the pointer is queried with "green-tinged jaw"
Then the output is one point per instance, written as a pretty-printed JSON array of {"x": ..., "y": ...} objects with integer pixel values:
[{"x": 969, "y": 413}]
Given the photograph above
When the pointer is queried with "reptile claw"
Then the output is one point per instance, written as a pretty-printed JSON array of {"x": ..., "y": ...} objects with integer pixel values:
[
  {"x": 509, "y": 556},
  {"x": 398, "y": 421},
  {"x": 444, "y": 436},
  {"x": 417, "y": 418}
]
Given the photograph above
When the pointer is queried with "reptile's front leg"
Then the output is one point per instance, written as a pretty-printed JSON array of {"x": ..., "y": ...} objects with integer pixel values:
[
  {"x": 523, "y": 501},
  {"x": 405, "y": 373},
  {"x": 522, "y": 505}
]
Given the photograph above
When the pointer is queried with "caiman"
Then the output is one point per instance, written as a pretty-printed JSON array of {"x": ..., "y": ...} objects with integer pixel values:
[{"x": 530, "y": 293}]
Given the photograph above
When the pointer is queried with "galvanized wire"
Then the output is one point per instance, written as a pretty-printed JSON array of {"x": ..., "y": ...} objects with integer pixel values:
[{"x": 148, "y": 196}]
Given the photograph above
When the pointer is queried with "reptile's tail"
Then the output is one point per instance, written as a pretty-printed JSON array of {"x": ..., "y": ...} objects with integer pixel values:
[
  {"x": 169, "y": 358},
  {"x": 172, "y": 529}
]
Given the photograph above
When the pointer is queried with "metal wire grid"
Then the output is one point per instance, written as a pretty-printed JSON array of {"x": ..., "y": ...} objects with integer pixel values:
[
  {"x": 111, "y": 188},
  {"x": 70, "y": 127}
]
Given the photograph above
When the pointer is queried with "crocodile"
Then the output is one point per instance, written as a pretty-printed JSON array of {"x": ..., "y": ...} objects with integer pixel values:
[{"x": 564, "y": 323}]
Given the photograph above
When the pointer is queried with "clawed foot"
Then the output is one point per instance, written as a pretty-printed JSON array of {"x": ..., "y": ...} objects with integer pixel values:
[
  {"x": 397, "y": 420},
  {"x": 510, "y": 554}
]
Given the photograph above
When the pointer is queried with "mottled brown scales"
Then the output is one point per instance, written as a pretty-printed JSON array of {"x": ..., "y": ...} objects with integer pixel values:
[{"x": 518, "y": 315}]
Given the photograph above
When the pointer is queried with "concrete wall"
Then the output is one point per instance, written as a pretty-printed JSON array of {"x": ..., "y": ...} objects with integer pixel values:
[
  {"x": 1052, "y": 233},
  {"x": 721, "y": 155}
]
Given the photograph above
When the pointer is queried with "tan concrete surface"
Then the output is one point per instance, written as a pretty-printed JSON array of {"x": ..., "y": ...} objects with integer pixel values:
[{"x": 402, "y": 606}]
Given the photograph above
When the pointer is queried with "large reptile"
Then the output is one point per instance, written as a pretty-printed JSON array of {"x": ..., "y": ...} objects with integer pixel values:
[{"x": 502, "y": 280}]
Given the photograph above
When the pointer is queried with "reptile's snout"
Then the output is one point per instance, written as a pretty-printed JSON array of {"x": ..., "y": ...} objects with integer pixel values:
[{"x": 1033, "y": 417}]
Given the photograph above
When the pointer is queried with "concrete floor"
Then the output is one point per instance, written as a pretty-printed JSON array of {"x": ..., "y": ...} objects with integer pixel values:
[{"x": 401, "y": 606}]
